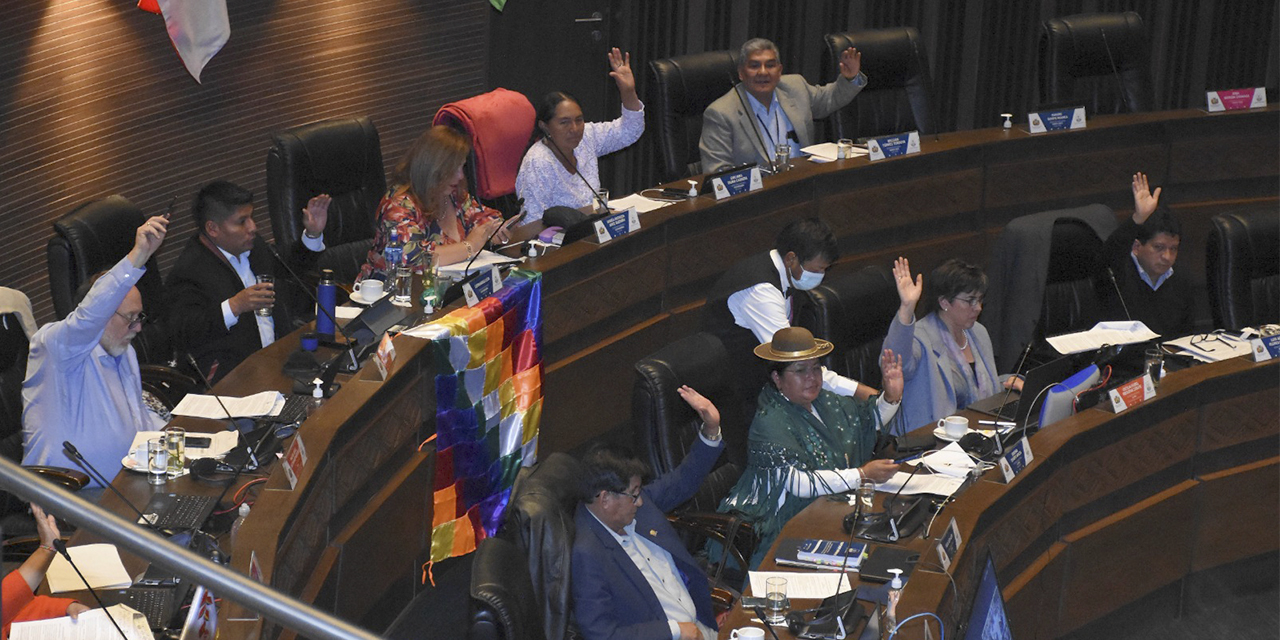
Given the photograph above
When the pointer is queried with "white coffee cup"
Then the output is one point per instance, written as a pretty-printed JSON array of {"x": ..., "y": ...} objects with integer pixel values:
[
  {"x": 748, "y": 633},
  {"x": 954, "y": 426},
  {"x": 369, "y": 289}
]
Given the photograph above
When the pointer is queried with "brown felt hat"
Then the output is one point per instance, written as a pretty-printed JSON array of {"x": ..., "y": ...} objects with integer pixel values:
[{"x": 793, "y": 344}]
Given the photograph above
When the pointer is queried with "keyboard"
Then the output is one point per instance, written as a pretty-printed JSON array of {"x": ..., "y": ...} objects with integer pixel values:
[
  {"x": 159, "y": 604},
  {"x": 295, "y": 409},
  {"x": 1007, "y": 411},
  {"x": 177, "y": 511}
]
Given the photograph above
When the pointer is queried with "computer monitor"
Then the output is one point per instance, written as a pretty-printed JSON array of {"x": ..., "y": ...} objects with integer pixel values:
[{"x": 987, "y": 619}]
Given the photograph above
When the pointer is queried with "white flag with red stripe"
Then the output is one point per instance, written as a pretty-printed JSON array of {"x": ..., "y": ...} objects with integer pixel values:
[{"x": 198, "y": 29}]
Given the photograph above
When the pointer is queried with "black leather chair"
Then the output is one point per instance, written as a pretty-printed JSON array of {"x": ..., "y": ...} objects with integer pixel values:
[
  {"x": 1243, "y": 263},
  {"x": 92, "y": 238},
  {"x": 343, "y": 158},
  {"x": 680, "y": 89},
  {"x": 898, "y": 96},
  {"x": 539, "y": 521},
  {"x": 13, "y": 370},
  {"x": 1077, "y": 268},
  {"x": 503, "y": 604},
  {"x": 852, "y": 311},
  {"x": 1100, "y": 60}
]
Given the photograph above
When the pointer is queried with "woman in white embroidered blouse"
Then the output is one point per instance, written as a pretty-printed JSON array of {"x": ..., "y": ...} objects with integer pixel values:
[{"x": 567, "y": 149}]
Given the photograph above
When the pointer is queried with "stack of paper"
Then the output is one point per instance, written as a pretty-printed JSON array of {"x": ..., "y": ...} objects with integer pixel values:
[
  {"x": 936, "y": 484},
  {"x": 91, "y": 625},
  {"x": 641, "y": 203},
  {"x": 1212, "y": 347},
  {"x": 483, "y": 260},
  {"x": 1101, "y": 335},
  {"x": 802, "y": 584},
  {"x": 197, "y": 405},
  {"x": 100, "y": 564}
]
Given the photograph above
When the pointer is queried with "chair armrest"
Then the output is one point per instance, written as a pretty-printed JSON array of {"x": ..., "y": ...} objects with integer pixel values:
[{"x": 68, "y": 479}]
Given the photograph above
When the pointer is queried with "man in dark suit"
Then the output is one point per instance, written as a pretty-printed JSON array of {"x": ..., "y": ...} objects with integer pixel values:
[
  {"x": 632, "y": 577},
  {"x": 213, "y": 291}
]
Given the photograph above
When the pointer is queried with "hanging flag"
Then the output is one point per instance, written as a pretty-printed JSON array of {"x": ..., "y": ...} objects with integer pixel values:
[
  {"x": 197, "y": 28},
  {"x": 488, "y": 390},
  {"x": 202, "y": 617},
  {"x": 149, "y": 5}
]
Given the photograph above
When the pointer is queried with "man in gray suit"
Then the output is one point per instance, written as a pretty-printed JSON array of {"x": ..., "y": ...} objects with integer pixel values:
[{"x": 778, "y": 108}]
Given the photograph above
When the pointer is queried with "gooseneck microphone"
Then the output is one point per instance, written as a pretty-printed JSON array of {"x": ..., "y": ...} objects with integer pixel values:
[
  {"x": 1112, "y": 275},
  {"x": 466, "y": 269},
  {"x": 83, "y": 463},
  {"x": 62, "y": 549},
  {"x": 768, "y": 154},
  {"x": 191, "y": 360},
  {"x": 595, "y": 193},
  {"x": 1116, "y": 73},
  {"x": 328, "y": 370}
]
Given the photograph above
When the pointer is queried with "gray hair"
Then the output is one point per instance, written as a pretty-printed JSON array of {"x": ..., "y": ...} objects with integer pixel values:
[{"x": 756, "y": 44}]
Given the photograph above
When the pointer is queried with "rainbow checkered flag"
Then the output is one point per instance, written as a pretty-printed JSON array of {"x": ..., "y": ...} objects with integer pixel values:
[{"x": 488, "y": 407}]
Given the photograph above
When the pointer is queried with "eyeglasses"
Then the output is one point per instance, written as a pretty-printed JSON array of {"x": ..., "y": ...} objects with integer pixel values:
[
  {"x": 811, "y": 370},
  {"x": 973, "y": 301},
  {"x": 1199, "y": 341},
  {"x": 635, "y": 497},
  {"x": 137, "y": 319}
]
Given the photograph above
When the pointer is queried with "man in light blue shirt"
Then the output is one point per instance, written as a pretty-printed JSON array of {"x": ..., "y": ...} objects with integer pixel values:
[{"x": 83, "y": 383}]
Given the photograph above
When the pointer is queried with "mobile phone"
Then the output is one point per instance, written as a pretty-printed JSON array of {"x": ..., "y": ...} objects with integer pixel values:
[
  {"x": 168, "y": 212},
  {"x": 199, "y": 442}
]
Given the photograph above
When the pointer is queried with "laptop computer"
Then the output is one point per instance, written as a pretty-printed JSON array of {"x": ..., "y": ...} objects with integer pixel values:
[
  {"x": 160, "y": 604},
  {"x": 1038, "y": 378},
  {"x": 177, "y": 511}
]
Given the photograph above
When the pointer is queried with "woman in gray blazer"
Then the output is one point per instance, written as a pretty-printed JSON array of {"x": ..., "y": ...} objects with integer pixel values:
[{"x": 946, "y": 354}]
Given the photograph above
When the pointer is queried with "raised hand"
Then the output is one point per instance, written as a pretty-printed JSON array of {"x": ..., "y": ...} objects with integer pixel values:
[
  {"x": 316, "y": 214},
  {"x": 891, "y": 375},
  {"x": 252, "y": 298},
  {"x": 620, "y": 65},
  {"x": 909, "y": 290},
  {"x": 147, "y": 240},
  {"x": 46, "y": 526},
  {"x": 704, "y": 408},
  {"x": 850, "y": 63},
  {"x": 1144, "y": 199}
]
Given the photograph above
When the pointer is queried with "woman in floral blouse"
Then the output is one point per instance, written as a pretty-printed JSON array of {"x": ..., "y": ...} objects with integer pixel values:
[{"x": 429, "y": 207}]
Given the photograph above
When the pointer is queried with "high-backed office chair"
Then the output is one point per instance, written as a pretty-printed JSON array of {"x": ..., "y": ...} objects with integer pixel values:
[
  {"x": 1100, "y": 60},
  {"x": 13, "y": 369},
  {"x": 1242, "y": 258},
  {"x": 680, "y": 89},
  {"x": 1043, "y": 278},
  {"x": 852, "y": 310},
  {"x": 503, "y": 603},
  {"x": 93, "y": 237},
  {"x": 666, "y": 428},
  {"x": 343, "y": 158},
  {"x": 499, "y": 124},
  {"x": 898, "y": 96}
]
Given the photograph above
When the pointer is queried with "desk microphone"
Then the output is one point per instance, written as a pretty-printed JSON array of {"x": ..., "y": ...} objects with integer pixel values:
[
  {"x": 768, "y": 155},
  {"x": 62, "y": 549},
  {"x": 74, "y": 454},
  {"x": 1124, "y": 100},
  {"x": 1112, "y": 275},
  {"x": 466, "y": 269},
  {"x": 328, "y": 370},
  {"x": 191, "y": 360}
]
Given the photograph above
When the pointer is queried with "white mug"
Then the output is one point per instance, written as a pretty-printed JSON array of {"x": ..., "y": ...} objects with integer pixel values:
[
  {"x": 369, "y": 289},
  {"x": 748, "y": 633},
  {"x": 955, "y": 426}
]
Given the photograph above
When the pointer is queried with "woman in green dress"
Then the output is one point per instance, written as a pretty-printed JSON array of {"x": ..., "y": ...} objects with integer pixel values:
[{"x": 807, "y": 442}]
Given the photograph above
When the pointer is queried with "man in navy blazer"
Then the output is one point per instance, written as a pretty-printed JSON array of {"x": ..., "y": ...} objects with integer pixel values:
[{"x": 632, "y": 577}]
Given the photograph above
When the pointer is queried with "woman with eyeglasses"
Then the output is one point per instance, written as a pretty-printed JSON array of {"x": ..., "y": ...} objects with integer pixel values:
[
  {"x": 805, "y": 441},
  {"x": 947, "y": 360}
]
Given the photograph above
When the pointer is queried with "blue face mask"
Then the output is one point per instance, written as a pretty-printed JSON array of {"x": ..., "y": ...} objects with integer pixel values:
[{"x": 807, "y": 280}]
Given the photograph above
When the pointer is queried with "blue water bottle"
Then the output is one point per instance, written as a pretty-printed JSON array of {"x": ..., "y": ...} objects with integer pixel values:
[{"x": 327, "y": 294}]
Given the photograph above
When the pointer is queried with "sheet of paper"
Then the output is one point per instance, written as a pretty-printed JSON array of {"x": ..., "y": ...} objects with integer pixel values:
[
  {"x": 1213, "y": 347},
  {"x": 219, "y": 443},
  {"x": 806, "y": 584},
  {"x": 347, "y": 313},
  {"x": 91, "y": 625},
  {"x": 485, "y": 260},
  {"x": 827, "y": 152},
  {"x": 1103, "y": 334},
  {"x": 197, "y": 405},
  {"x": 950, "y": 460},
  {"x": 641, "y": 203},
  {"x": 936, "y": 484},
  {"x": 100, "y": 564}
]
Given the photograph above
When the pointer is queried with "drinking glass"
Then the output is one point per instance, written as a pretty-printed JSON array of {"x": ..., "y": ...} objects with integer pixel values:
[
  {"x": 157, "y": 461},
  {"x": 175, "y": 439},
  {"x": 782, "y": 157},
  {"x": 844, "y": 148},
  {"x": 266, "y": 279},
  {"x": 775, "y": 592},
  {"x": 1153, "y": 363}
]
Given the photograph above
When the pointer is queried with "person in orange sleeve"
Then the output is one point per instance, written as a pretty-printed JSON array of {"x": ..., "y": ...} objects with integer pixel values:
[{"x": 18, "y": 589}]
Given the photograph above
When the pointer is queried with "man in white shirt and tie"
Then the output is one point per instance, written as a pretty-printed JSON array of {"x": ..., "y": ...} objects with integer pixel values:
[{"x": 213, "y": 292}]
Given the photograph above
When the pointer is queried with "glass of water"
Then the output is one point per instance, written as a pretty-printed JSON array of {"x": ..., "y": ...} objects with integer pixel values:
[
  {"x": 175, "y": 444},
  {"x": 266, "y": 279},
  {"x": 157, "y": 461},
  {"x": 775, "y": 593},
  {"x": 402, "y": 288},
  {"x": 782, "y": 157},
  {"x": 867, "y": 495},
  {"x": 844, "y": 148},
  {"x": 602, "y": 200}
]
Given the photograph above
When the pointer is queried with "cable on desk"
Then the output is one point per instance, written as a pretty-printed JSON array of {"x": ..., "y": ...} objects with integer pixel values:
[
  {"x": 237, "y": 499},
  {"x": 955, "y": 592},
  {"x": 942, "y": 633},
  {"x": 424, "y": 442}
]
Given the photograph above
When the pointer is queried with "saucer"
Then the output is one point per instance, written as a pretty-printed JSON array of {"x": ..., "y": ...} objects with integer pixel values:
[
  {"x": 129, "y": 463},
  {"x": 359, "y": 298},
  {"x": 941, "y": 434}
]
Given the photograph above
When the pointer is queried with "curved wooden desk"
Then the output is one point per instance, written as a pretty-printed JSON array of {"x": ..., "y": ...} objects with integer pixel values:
[
  {"x": 1113, "y": 507},
  {"x": 608, "y": 306}
]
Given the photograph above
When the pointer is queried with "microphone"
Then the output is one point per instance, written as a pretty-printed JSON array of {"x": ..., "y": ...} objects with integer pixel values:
[
  {"x": 62, "y": 549},
  {"x": 1115, "y": 73},
  {"x": 466, "y": 269},
  {"x": 1016, "y": 372},
  {"x": 604, "y": 206},
  {"x": 191, "y": 360},
  {"x": 83, "y": 463},
  {"x": 768, "y": 154},
  {"x": 328, "y": 371},
  {"x": 1112, "y": 275}
]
